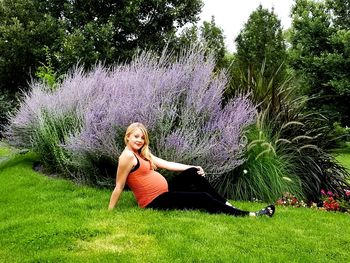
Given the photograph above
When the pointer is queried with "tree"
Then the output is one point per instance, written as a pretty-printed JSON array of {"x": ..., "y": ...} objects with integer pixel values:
[
  {"x": 340, "y": 10},
  {"x": 261, "y": 50},
  {"x": 85, "y": 31},
  {"x": 320, "y": 40},
  {"x": 309, "y": 39},
  {"x": 213, "y": 37},
  {"x": 24, "y": 33},
  {"x": 209, "y": 35}
]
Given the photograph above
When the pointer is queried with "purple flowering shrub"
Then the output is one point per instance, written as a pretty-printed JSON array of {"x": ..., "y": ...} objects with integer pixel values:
[{"x": 179, "y": 100}]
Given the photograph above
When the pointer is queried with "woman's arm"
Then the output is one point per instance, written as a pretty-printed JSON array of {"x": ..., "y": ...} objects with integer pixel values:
[
  {"x": 125, "y": 164},
  {"x": 173, "y": 166}
]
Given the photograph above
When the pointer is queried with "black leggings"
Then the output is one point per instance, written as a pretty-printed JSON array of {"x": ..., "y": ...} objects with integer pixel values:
[{"x": 189, "y": 190}]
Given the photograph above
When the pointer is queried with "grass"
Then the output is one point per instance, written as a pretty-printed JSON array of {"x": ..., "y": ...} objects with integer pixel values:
[
  {"x": 44, "y": 219},
  {"x": 343, "y": 155}
]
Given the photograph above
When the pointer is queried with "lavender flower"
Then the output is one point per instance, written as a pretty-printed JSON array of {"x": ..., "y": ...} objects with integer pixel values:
[{"x": 179, "y": 100}]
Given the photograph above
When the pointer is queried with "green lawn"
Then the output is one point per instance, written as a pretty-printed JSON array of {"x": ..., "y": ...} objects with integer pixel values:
[
  {"x": 343, "y": 155},
  {"x": 53, "y": 220}
]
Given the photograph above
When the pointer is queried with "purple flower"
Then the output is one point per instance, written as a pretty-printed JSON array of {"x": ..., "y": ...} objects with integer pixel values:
[
  {"x": 179, "y": 101},
  {"x": 329, "y": 193}
]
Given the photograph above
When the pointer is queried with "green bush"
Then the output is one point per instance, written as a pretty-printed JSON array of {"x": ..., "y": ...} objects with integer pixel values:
[
  {"x": 7, "y": 105},
  {"x": 50, "y": 135},
  {"x": 339, "y": 135},
  {"x": 266, "y": 173},
  {"x": 46, "y": 72},
  {"x": 289, "y": 141}
]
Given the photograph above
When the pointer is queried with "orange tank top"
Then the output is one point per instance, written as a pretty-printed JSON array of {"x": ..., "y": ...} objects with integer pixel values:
[{"x": 145, "y": 183}]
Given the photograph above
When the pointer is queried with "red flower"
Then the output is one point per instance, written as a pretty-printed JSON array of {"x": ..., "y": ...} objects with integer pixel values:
[
  {"x": 294, "y": 201},
  {"x": 331, "y": 204}
]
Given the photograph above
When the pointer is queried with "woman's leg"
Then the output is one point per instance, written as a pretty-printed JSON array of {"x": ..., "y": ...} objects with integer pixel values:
[
  {"x": 193, "y": 200},
  {"x": 190, "y": 181}
]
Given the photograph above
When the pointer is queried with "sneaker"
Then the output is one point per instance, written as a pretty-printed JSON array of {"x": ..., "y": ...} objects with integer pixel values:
[{"x": 269, "y": 211}]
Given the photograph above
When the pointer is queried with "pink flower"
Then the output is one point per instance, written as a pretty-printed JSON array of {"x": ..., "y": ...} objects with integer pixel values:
[
  {"x": 323, "y": 192},
  {"x": 347, "y": 192},
  {"x": 330, "y": 193},
  {"x": 280, "y": 202}
]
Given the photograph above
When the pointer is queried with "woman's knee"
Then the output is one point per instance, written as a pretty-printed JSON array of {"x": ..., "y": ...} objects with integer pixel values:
[{"x": 192, "y": 170}]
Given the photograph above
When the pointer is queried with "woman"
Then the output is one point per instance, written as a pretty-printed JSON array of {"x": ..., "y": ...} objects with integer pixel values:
[{"x": 188, "y": 190}]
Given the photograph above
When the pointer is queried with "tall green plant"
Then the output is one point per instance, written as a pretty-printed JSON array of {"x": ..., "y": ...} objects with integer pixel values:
[
  {"x": 289, "y": 141},
  {"x": 265, "y": 90},
  {"x": 266, "y": 173},
  {"x": 50, "y": 135},
  {"x": 5, "y": 108},
  {"x": 304, "y": 137},
  {"x": 46, "y": 72},
  {"x": 260, "y": 42}
]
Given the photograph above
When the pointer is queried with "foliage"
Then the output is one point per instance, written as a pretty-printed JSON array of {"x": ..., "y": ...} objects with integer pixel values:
[
  {"x": 45, "y": 219},
  {"x": 24, "y": 31},
  {"x": 82, "y": 123},
  {"x": 86, "y": 31},
  {"x": 340, "y": 12},
  {"x": 290, "y": 142},
  {"x": 320, "y": 39},
  {"x": 306, "y": 137},
  {"x": 339, "y": 135},
  {"x": 260, "y": 42},
  {"x": 7, "y": 105},
  {"x": 213, "y": 37},
  {"x": 266, "y": 173},
  {"x": 209, "y": 35},
  {"x": 47, "y": 73},
  {"x": 50, "y": 135}
]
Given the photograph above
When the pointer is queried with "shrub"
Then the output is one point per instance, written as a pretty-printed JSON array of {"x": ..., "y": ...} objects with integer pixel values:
[
  {"x": 305, "y": 140},
  {"x": 7, "y": 105},
  {"x": 46, "y": 72},
  {"x": 266, "y": 173},
  {"x": 309, "y": 160},
  {"x": 289, "y": 139},
  {"x": 83, "y": 121}
]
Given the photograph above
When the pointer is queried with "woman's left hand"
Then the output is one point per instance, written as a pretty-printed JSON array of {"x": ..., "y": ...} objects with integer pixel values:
[{"x": 200, "y": 170}]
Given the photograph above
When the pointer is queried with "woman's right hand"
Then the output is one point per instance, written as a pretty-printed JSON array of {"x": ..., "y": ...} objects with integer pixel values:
[{"x": 200, "y": 170}]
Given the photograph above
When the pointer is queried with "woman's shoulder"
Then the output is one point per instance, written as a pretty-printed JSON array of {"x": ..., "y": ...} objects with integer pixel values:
[{"x": 126, "y": 155}]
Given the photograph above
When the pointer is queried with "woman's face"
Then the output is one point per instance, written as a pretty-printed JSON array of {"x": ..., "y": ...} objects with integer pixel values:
[{"x": 136, "y": 140}]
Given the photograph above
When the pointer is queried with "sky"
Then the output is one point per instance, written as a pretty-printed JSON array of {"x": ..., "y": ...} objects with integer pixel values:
[{"x": 231, "y": 15}]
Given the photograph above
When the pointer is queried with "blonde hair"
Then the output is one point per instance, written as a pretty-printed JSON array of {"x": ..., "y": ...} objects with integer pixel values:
[{"x": 144, "y": 151}]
